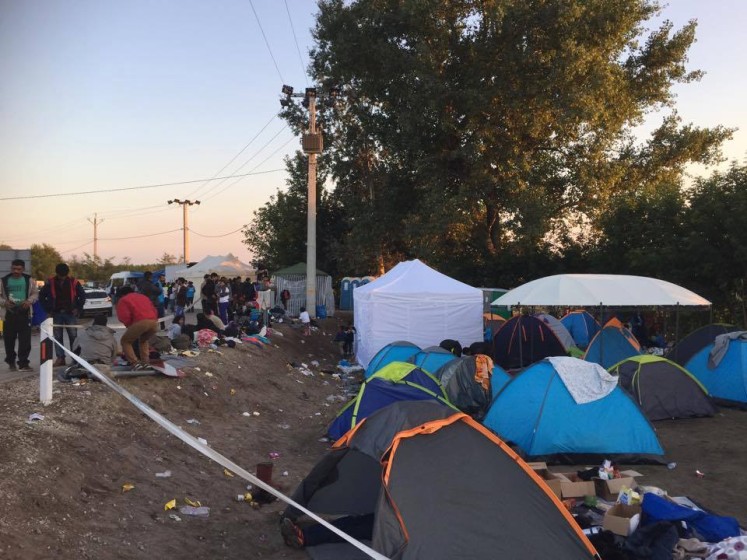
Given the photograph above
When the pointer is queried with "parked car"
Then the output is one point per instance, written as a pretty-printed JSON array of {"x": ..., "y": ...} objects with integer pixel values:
[{"x": 97, "y": 302}]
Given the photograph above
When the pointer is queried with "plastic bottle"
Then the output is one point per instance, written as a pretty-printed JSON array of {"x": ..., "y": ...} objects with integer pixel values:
[{"x": 201, "y": 511}]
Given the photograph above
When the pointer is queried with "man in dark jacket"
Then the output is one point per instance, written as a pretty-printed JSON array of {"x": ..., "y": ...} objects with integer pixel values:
[
  {"x": 17, "y": 296},
  {"x": 62, "y": 297}
]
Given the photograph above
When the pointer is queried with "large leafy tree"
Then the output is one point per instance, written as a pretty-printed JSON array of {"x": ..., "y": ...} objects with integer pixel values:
[
  {"x": 713, "y": 251},
  {"x": 477, "y": 129},
  {"x": 277, "y": 233}
]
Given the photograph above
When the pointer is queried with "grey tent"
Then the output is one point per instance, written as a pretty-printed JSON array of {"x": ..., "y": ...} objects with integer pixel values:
[
  {"x": 694, "y": 342},
  {"x": 662, "y": 388},
  {"x": 563, "y": 334},
  {"x": 440, "y": 486},
  {"x": 463, "y": 388}
]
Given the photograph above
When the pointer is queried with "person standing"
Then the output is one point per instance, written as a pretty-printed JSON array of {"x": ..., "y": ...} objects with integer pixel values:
[
  {"x": 63, "y": 298},
  {"x": 285, "y": 296},
  {"x": 224, "y": 298},
  {"x": 18, "y": 293},
  {"x": 209, "y": 294},
  {"x": 139, "y": 315},
  {"x": 180, "y": 296},
  {"x": 190, "y": 293}
]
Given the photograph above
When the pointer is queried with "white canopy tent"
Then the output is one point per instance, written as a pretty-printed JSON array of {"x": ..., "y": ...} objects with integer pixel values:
[
  {"x": 223, "y": 265},
  {"x": 415, "y": 303},
  {"x": 609, "y": 290}
]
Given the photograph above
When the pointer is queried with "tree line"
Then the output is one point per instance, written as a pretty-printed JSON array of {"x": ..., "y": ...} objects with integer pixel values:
[
  {"x": 496, "y": 140},
  {"x": 44, "y": 259}
]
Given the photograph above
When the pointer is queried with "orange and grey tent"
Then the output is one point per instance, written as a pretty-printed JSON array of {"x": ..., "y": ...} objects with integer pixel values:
[{"x": 440, "y": 486}]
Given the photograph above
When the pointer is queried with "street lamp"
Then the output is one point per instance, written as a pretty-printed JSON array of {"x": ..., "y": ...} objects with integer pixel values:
[{"x": 185, "y": 236}]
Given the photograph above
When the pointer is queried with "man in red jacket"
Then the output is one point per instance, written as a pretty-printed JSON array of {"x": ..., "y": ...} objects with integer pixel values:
[{"x": 138, "y": 314}]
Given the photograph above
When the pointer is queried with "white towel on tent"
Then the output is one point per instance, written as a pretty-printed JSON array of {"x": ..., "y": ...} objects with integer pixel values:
[{"x": 585, "y": 381}]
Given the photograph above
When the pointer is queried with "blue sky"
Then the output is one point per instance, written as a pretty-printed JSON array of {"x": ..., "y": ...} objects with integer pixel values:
[{"x": 98, "y": 94}]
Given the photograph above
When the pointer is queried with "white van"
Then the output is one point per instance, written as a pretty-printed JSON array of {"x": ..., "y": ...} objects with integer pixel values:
[{"x": 119, "y": 279}]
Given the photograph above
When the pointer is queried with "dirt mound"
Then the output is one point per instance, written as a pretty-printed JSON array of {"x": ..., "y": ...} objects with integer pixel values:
[{"x": 61, "y": 478}]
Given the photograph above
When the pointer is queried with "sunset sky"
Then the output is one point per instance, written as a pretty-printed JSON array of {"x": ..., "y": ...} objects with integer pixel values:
[{"x": 99, "y": 95}]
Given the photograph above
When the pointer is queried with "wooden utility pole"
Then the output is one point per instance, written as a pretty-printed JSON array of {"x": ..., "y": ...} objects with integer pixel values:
[
  {"x": 185, "y": 227},
  {"x": 313, "y": 145},
  {"x": 95, "y": 223}
]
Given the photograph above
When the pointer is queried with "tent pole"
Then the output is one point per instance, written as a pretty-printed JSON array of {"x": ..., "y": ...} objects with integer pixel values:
[
  {"x": 601, "y": 332},
  {"x": 521, "y": 341},
  {"x": 677, "y": 325}
]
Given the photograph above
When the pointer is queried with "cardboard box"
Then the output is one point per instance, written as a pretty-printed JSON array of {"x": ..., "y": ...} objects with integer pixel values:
[
  {"x": 610, "y": 489},
  {"x": 621, "y": 519},
  {"x": 571, "y": 486},
  {"x": 537, "y": 465},
  {"x": 551, "y": 479}
]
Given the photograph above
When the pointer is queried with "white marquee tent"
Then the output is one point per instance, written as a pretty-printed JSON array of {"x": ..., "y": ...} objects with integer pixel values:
[
  {"x": 223, "y": 265},
  {"x": 415, "y": 303},
  {"x": 609, "y": 290}
]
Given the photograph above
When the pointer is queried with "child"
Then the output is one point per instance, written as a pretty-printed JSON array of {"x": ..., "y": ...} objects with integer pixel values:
[
  {"x": 305, "y": 321},
  {"x": 176, "y": 327},
  {"x": 340, "y": 340},
  {"x": 347, "y": 347}
]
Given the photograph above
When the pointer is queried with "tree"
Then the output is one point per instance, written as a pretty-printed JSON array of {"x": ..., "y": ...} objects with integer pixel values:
[
  {"x": 167, "y": 258},
  {"x": 714, "y": 249},
  {"x": 277, "y": 234},
  {"x": 640, "y": 233},
  {"x": 478, "y": 128},
  {"x": 44, "y": 259}
]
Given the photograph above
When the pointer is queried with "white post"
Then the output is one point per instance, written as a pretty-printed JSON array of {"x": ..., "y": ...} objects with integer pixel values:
[
  {"x": 311, "y": 220},
  {"x": 46, "y": 357}
]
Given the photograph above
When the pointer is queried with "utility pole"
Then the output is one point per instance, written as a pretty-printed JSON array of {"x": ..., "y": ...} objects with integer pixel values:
[
  {"x": 185, "y": 228},
  {"x": 95, "y": 223},
  {"x": 313, "y": 144}
]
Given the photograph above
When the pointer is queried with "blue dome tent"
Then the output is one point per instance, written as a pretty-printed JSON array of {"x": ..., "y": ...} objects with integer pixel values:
[
  {"x": 613, "y": 344},
  {"x": 582, "y": 326},
  {"x": 724, "y": 378},
  {"x": 431, "y": 358},
  {"x": 399, "y": 351},
  {"x": 398, "y": 381},
  {"x": 539, "y": 413}
]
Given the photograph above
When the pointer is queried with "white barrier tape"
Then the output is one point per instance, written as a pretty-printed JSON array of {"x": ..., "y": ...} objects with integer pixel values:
[{"x": 214, "y": 455}]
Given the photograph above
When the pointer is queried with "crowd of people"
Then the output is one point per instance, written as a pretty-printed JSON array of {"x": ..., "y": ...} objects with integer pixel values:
[{"x": 228, "y": 306}]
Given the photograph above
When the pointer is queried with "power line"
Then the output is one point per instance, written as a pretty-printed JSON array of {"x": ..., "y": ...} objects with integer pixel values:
[
  {"x": 266, "y": 42},
  {"x": 293, "y": 29},
  {"x": 138, "y": 187},
  {"x": 224, "y": 235},
  {"x": 239, "y": 168},
  {"x": 237, "y": 155},
  {"x": 255, "y": 167},
  {"x": 138, "y": 236},
  {"x": 76, "y": 248}
]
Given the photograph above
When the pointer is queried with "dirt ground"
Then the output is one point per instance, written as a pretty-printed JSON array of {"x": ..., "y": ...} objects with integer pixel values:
[{"x": 61, "y": 478}]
